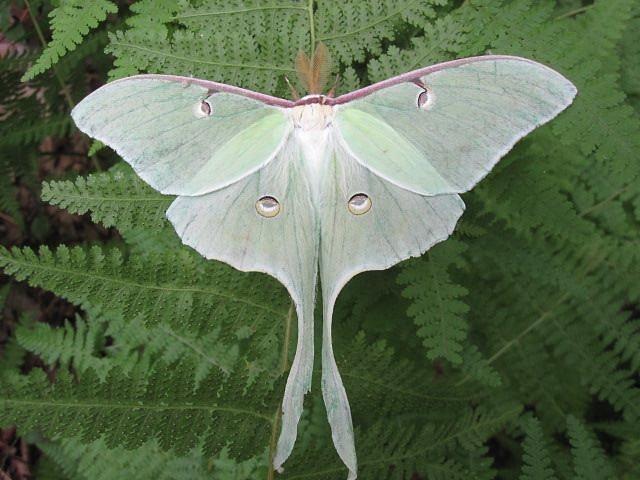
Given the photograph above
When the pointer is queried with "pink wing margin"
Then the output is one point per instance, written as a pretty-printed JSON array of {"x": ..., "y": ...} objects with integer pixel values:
[
  {"x": 415, "y": 75},
  {"x": 217, "y": 87},
  {"x": 347, "y": 97}
]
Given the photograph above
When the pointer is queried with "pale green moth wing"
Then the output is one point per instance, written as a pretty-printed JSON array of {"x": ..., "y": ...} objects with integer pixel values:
[
  {"x": 182, "y": 137},
  {"x": 397, "y": 225},
  {"x": 225, "y": 225},
  {"x": 445, "y": 127}
]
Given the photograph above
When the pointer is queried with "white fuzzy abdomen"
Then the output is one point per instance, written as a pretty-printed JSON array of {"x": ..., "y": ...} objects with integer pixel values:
[{"x": 311, "y": 129}]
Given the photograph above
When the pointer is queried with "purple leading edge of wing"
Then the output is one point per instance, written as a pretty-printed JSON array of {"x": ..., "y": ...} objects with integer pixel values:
[
  {"x": 219, "y": 87},
  {"x": 416, "y": 74},
  {"x": 348, "y": 97}
]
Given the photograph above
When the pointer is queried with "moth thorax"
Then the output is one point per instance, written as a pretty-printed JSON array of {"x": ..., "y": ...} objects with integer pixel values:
[{"x": 314, "y": 116}]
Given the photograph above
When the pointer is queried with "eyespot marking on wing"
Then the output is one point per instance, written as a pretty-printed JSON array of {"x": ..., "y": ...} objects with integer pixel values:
[
  {"x": 359, "y": 204},
  {"x": 268, "y": 206},
  {"x": 203, "y": 109},
  {"x": 425, "y": 99}
]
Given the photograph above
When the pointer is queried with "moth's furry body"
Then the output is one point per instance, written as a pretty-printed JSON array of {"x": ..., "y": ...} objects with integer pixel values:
[{"x": 311, "y": 128}]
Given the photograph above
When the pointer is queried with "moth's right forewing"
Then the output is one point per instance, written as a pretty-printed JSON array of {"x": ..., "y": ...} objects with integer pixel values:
[
  {"x": 227, "y": 225},
  {"x": 180, "y": 137}
]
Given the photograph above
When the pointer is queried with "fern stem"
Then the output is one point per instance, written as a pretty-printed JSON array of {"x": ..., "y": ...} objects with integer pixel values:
[
  {"x": 239, "y": 10},
  {"x": 203, "y": 62},
  {"x": 194, "y": 348},
  {"x": 574, "y": 12},
  {"x": 522, "y": 334},
  {"x": 312, "y": 26},
  {"x": 598, "y": 205},
  {"x": 507, "y": 346},
  {"x": 284, "y": 365},
  {"x": 63, "y": 86}
]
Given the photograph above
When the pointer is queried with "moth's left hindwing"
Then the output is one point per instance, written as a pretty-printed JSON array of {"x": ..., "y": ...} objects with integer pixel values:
[{"x": 181, "y": 138}]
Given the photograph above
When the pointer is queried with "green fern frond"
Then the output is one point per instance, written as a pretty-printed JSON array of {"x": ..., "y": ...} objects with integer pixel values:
[
  {"x": 214, "y": 349},
  {"x": 536, "y": 460},
  {"x": 131, "y": 409},
  {"x": 589, "y": 459},
  {"x": 353, "y": 30},
  {"x": 96, "y": 461},
  {"x": 183, "y": 291},
  {"x": 599, "y": 367},
  {"x": 70, "y": 22},
  {"x": 397, "y": 450},
  {"x": 74, "y": 344},
  {"x": 436, "y": 307},
  {"x": 227, "y": 42},
  {"x": 478, "y": 368},
  {"x": 115, "y": 198},
  {"x": 18, "y": 132},
  {"x": 378, "y": 380}
]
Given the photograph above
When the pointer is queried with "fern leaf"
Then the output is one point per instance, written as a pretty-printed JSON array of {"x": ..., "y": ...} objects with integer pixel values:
[
  {"x": 350, "y": 30},
  {"x": 477, "y": 367},
  {"x": 249, "y": 43},
  {"x": 377, "y": 380},
  {"x": 397, "y": 450},
  {"x": 74, "y": 344},
  {"x": 183, "y": 291},
  {"x": 130, "y": 410},
  {"x": 537, "y": 463},
  {"x": 70, "y": 22},
  {"x": 18, "y": 132},
  {"x": 115, "y": 198},
  {"x": 589, "y": 459},
  {"x": 436, "y": 307}
]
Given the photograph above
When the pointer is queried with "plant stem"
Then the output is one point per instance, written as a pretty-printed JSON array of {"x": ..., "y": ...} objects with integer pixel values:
[
  {"x": 574, "y": 12},
  {"x": 312, "y": 26},
  {"x": 284, "y": 365},
  {"x": 63, "y": 86}
]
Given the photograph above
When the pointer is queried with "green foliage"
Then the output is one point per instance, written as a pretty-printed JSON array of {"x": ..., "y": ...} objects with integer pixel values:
[
  {"x": 130, "y": 409},
  {"x": 589, "y": 460},
  {"x": 436, "y": 307},
  {"x": 174, "y": 366},
  {"x": 118, "y": 195},
  {"x": 70, "y": 23},
  {"x": 537, "y": 463},
  {"x": 96, "y": 461}
]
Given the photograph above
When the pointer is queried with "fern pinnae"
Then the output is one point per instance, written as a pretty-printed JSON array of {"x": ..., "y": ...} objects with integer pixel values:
[
  {"x": 537, "y": 463},
  {"x": 435, "y": 307},
  {"x": 70, "y": 22},
  {"x": 589, "y": 459}
]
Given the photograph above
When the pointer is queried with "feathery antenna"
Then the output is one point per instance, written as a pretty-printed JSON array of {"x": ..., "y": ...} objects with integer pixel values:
[{"x": 313, "y": 72}]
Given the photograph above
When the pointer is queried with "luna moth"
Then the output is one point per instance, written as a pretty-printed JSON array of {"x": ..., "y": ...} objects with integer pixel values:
[{"x": 321, "y": 186}]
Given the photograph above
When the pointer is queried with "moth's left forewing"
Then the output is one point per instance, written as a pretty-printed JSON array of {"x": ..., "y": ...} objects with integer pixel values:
[{"x": 442, "y": 129}]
